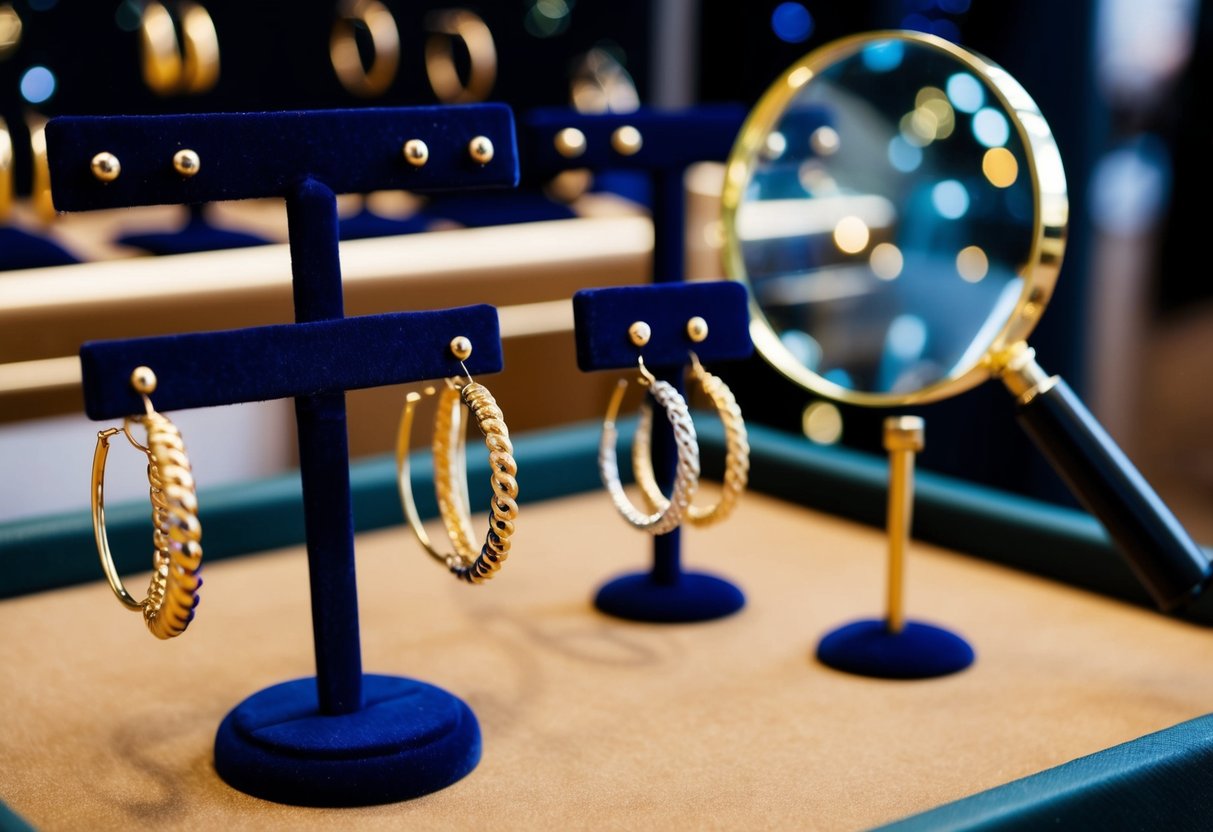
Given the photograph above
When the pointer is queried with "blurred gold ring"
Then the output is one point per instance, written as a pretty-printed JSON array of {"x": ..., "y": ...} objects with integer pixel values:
[
  {"x": 736, "y": 460},
  {"x": 669, "y": 515},
  {"x": 6, "y": 171},
  {"x": 444, "y": 26},
  {"x": 177, "y": 553},
  {"x": 201, "y": 46},
  {"x": 450, "y": 479},
  {"x": 161, "y": 53},
  {"x": 343, "y": 48}
]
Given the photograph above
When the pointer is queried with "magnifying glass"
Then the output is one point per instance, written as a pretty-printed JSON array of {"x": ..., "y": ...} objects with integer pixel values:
[{"x": 897, "y": 207}]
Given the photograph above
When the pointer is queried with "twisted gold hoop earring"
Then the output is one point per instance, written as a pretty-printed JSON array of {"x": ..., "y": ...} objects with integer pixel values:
[
  {"x": 737, "y": 452},
  {"x": 450, "y": 478},
  {"x": 669, "y": 514},
  {"x": 444, "y": 26},
  {"x": 177, "y": 554}
]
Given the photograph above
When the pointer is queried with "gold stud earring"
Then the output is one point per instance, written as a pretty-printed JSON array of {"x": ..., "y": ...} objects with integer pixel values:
[
  {"x": 481, "y": 150},
  {"x": 416, "y": 152},
  {"x": 450, "y": 474},
  {"x": 627, "y": 140},
  {"x": 570, "y": 143},
  {"x": 176, "y": 551},
  {"x": 697, "y": 329},
  {"x": 669, "y": 515},
  {"x": 186, "y": 162},
  {"x": 105, "y": 166}
]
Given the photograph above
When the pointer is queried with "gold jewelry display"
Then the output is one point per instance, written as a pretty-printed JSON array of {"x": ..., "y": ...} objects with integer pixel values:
[
  {"x": 450, "y": 474},
  {"x": 359, "y": 80},
  {"x": 177, "y": 553},
  {"x": 737, "y": 452},
  {"x": 444, "y": 26},
  {"x": 171, "y": 65},
  {"x": 669, "y": 514}
]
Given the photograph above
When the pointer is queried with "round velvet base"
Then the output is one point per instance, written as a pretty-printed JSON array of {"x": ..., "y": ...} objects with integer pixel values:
[
  {"x": 919, "y": 651},
  {"x": 694, "y": 597},
  {"x": 410, "y": 739}
]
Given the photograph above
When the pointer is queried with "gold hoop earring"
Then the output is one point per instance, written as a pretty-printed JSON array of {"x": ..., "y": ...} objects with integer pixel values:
[
  {"x": 200, "y": 71},
  {"x": 450, "y": 478},
  {"x": 160, "y": 50},
  {"x": 444, "y": 27},
  {"x": 737, "y": 452},
  {"x": 6, "y": 172},
  {"x": 343, "y": 48},
  {"x": 40, "y": 178},
  {"x": 177, "y": 554},
  {"x": 669, "y": 515}
]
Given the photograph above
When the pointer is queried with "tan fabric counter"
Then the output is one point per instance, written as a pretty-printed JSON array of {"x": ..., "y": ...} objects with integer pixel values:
[{"x": 591, "y": 722}]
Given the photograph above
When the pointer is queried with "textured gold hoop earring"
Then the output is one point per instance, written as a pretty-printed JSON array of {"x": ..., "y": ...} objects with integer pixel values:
[
  {"x": 737, "y": 452},
  {"x": 669, "y": 515},
  {"x": 450, "y": 477},
  {"x": 177, "y": 554}
]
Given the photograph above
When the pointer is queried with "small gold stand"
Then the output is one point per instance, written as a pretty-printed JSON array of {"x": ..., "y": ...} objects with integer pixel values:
[{"x": 904, "y": 436}]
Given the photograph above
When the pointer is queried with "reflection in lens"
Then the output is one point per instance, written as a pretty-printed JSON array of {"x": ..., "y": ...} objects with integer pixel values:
[
  {"x": 972, "y": 263},
  {"x": 950, "y": 199},
  {"x": 851, "y": 235},
  {"x": 965, "y": 92},
  {"x": 886, "y": 261},
  {"x": 1000, "y": 167},
  {"x": 904, "y": 156},
  {"x": 883, "y": 56},
  {"x": 991, "y": 127}
]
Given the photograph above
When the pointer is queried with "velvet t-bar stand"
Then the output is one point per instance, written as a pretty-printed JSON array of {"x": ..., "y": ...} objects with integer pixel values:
[
  {"x": 602, "y": 319},
  {"x": 661, "y": 144},
  {"x": 342, "y": 738}
]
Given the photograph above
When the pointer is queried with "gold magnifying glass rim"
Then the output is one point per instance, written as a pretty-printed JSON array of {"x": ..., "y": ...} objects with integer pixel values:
[{"x": 1050, "y": 207}]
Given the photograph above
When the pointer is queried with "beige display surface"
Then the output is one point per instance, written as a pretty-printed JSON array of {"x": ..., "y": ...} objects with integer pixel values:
[{"x": 591, "y": 722}]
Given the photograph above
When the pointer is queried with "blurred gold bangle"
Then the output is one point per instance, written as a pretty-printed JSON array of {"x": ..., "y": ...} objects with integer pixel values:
[
  {"x": 450, "y": 479},
  {"x": 737, "y": 452},
  {"x": 343, "y": 48},
  {"x": 176, "y": 551},
  {"x": 160, "y": 51},
  {"x": 669, "y": 515},
  {"x": 444, "y": 26},
  {"x": 6, "y": 171}
]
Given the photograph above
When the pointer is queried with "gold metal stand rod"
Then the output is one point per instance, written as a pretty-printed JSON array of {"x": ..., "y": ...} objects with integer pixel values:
[{"x": 903, "y": 438}]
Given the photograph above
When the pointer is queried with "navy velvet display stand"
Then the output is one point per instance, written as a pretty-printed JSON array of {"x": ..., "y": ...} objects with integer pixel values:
[
  {"x": 669, "y": 141},
  {"x": 666, "y": 593},
  {"x": 342, "y": 738}
]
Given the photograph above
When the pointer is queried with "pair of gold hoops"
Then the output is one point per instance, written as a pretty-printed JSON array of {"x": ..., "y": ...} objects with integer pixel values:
[
  {"x": 444, "y": 26},
  {"x": 449, "y": 447},
  {"x": 664, "y": 514}
]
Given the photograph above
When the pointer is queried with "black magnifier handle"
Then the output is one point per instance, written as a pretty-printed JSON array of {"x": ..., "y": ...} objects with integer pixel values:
[{"x": 1163, "y": 555}]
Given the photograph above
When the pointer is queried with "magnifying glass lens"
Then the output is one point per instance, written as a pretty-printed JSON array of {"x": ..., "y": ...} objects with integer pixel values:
[{"x": 888, "y": 219}]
